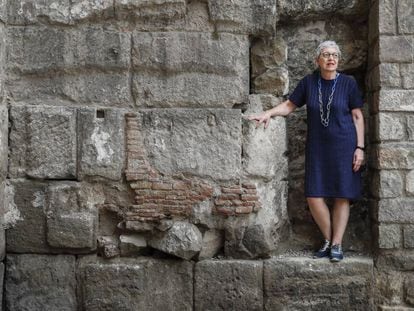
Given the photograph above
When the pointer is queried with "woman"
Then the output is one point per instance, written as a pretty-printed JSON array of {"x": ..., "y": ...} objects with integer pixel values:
[{"x": 334, "y": 147}]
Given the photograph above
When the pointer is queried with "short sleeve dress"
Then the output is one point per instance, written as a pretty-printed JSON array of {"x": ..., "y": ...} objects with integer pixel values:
[{"x": 330, "y": 150}]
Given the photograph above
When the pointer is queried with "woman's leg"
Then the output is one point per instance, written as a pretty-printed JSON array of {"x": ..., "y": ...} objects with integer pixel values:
[
  {"x": 321, "y": 215},
  {"x": 340, "y": 216}
]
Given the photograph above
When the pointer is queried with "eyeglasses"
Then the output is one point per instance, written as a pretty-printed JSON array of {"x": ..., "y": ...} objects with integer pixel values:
[{"x": 326, "y": 55}]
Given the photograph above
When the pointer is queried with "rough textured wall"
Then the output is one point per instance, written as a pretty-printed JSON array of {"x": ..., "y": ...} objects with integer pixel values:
[{"x": 391, "y": 90}]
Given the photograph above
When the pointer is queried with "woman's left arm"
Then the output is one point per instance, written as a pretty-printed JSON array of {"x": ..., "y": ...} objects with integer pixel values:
[{"x": 358, "y": 119}]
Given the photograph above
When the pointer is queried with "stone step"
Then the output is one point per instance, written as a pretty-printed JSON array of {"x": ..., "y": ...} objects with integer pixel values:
[{"x": 41, "y": 282}]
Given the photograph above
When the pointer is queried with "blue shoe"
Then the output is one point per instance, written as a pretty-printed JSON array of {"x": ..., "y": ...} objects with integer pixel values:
[
  {"x": 324, "y": 251},
  {"x": 336, "y": 253}
]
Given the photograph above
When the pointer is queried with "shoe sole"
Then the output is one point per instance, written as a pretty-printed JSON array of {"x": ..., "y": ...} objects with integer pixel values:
[{"x": 336, "y": 259}]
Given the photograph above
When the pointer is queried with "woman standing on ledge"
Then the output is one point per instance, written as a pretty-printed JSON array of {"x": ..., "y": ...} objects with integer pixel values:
[{"x": 334, "y": 145}]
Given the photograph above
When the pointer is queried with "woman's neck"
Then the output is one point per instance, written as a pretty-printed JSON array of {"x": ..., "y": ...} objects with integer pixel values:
[{"x": 328, "y": 75}]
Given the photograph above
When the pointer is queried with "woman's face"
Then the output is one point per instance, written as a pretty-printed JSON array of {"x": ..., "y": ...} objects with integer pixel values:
[{"x": 328, "y": 59}]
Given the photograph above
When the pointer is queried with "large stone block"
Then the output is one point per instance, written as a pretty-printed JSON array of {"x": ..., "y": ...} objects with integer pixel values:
[
  {"x": 402, "y": 260},
  {"x": 274, "y": 81},
  {"x": 266, "y": 54},
  {"x": 387, "y": 184},
  {"x": 26, "y": 217},
  {"x": 409, "y": 182},
  {"x": 40, "y": 49},
  {"x": 387, "y": 19},
  {"x": 407, "y": 75},
  {"x": 179, "y": 141},
  {"x": 43, "y": 142},
  {"x": 101, "y": 143},
  {"x": 89, "y": 87},
  {"x": 405, "y": 19},
  {"x": 388, "y": 45},
  {"x": 183, "y": 240},
  {"x": 40, "y": 282},
  {"x": 390, "y": 76},
  {"x": 190, "y": 69},
  {"x": 394, "y": 156},
  {"x": 85, "y": 9},
  {"x": 408, "y": 234},
  {"x": 4, "y": 137},
  {"x": 244, "y": 16},
  {"x": 150, "y": 9},
  {"x": 135, "y": 284},
  {"x": 399, "y": 210},
  {"x": 264, "y": 149},
  {"x": 305, "y": 284},
  {"x": 28, "y": 12},
  {"x": 297, "y": 9},
  {"x": 410, "y": 127},
  {"x": 389, "y": 287},
  {"x": 72, "y": 215},
  {"x": 228, "y": 285},
  {"x": 389, "y": 236},
  {"x": 3, "y": 201},
  {"x": 389, "y": 126}
]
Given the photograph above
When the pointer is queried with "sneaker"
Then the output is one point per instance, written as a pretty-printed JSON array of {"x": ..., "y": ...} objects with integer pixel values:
[
  {"x": 324, "y": 251},
  {"x": 336, "y": 253}
]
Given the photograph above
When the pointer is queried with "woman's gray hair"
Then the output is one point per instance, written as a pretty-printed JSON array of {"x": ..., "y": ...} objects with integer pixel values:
[{"x": 325, "y": 45}]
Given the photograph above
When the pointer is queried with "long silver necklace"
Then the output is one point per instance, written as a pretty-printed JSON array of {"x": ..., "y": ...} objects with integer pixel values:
[{"x": 325, "y": 120}]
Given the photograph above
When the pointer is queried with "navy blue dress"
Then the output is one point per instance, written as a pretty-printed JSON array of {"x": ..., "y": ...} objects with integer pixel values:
[{"x": 330, "y": 150}]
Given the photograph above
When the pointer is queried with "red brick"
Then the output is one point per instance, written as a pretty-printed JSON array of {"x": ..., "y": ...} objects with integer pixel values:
[
  {"x": 206, "y": 190},
  {"x": 248, "y": 186},
  {"x": 237, "y": 202},
  {"x": 229, "y": 196},
  {"x": 244, "y": 209},
  {"x": 248, "y": 203},
  {"x": 181, "y": 185},
  {"x": 141, "y": 185},
  {"x": 130, "y": 115},
  {"x": 161, "y": 186},
  {"x": 139, "y": 200},
  {"x": 257, "y": 206},
  {"x": 250, "y": 191},
  {"x": 225, "y": 211},
  {"x": 222, "y": 202},
  {"x": 249, "y": 197}
]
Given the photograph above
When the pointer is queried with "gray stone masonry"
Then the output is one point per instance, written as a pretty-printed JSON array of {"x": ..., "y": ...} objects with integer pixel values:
[
  {"x": 135, "y": 284},
  {"x": 228, "y": 285},
  {"x": 40, "y": 282},
  {"x": 309, "y": 284}
]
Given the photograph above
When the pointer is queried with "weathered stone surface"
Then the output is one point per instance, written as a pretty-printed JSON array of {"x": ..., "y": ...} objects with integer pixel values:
[
  {"x": 274, "y": 81},
  {"x": 407, "y": 76},
  {"x": 394, "y": 156},
  {"x": 135, "y": 284},
  {"x": 179, "y": 141},
  {"x": 150, "y": 9},
  {"x": 2, "y": 281},
  {"x": 202, "y": 70},
  {"x": 387, "y": 184},
  {"x": 3, "y": 202},
  {"x": 400, "y": 210},
  {"x": 85, "y": 9},
  {"x": 183, "y": 240},
  {"x": 345, "y": 286},
  {"x": 410, "y": 127},
  {"x": 396, "y": 100},
  {"x": 389, "y": 287},
  {"x": 40, "y": 282},
  {"x": 266, "y": 54},
  {"x": 408, "y": 234},
  {"x": 245, "y": 16},
  {"x": 108, "y": 246},
  {"x": 405, "y": 17},
  {"x": 389, "y": 126},
  {"x": 409, "y": 181},
  {"x": 101, "y": 143},
  {"x": 132, "y": 244},
  {"x": 89, "y": 87},
  {"x": 389, "y": 236},
  {"x": 402, "y": 260},
  {"x": 72, "y": 216},
  {"x": 228, "y": 285},
  {"x": 297, "y": 9},
  {"x": 409, "y": 290},
  {"x": 390, "y": 75},
  {"x": 387, "y": 19},
  {"x": 43, "y": 142},
  {"x": 389, "y": 44},
  {"x": 4, "y": 123},
  {"x": 26, "y": 217},
  {"x": 264, "y": 149},
  {"x": 213, "y": 241},
  {"x": 30, "y": 12}
]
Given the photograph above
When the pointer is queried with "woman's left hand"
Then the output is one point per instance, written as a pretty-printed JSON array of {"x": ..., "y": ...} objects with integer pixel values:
[{"x": 358, "y": 159}]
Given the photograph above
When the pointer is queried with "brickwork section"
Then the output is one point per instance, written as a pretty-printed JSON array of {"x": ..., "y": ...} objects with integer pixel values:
[{"x": 158, "y": 196}]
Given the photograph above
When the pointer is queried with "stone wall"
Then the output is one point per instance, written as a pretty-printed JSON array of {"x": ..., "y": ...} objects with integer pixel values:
[{"x": 391, "y": 91}]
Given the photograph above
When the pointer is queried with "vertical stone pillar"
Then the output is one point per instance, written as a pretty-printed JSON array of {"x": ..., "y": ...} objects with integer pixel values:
[{"x": 391, "y": 90}]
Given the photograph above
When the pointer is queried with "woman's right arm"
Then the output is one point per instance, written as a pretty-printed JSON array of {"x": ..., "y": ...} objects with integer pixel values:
[{"x": 282, "y": 109}]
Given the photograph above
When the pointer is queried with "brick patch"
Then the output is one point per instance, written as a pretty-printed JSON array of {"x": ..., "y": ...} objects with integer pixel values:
[{"x": 158, "y": 196}]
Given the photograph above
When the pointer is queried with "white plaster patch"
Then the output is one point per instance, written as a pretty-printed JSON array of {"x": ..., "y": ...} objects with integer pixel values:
[
  {"x": 103, "y": 149},
  {"x": 12, "y": 214}
]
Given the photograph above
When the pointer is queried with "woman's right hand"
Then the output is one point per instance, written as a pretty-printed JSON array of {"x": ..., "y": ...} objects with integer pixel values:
[{"x": 263, "y": 117}]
